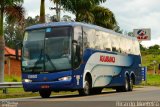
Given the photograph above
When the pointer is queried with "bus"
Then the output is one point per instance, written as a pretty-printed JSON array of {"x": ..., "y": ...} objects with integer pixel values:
[{"x": 70, "y": 56}]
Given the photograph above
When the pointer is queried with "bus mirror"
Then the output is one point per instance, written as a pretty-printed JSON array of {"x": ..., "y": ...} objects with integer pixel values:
[
  {"x": 17, "y": 49},
  {"x": 74, "y": 42}
]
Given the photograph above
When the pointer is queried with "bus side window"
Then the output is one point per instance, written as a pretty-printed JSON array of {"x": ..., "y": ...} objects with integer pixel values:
[
  {"x": 113, "y": 43},
  {"x": 98, "y": 42},
  {"x": 108, "y": 49},
  {"x": 88, "y": 38},
  {"x": 77, "y": 46},
  {"x": 114, "y": 49}
]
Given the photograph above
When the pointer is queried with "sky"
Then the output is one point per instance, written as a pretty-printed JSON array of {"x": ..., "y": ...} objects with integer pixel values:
[{"x": 130, "y": 14}]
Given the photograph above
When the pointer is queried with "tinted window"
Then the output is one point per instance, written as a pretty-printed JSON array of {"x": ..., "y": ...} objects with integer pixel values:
[
  {"x": 89, "y": 38},
  {"x": 58, "y": 31},
  {"x": 78, "y": 35}
]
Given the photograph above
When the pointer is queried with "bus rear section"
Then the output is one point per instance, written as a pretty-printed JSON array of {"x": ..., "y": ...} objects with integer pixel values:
[{"x": 109, "y": 70}]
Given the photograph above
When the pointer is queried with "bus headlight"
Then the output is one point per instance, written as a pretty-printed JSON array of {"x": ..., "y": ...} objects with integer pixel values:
[
  {"x": 67, "y": 78},
  {"x": 27, "y": 80}
]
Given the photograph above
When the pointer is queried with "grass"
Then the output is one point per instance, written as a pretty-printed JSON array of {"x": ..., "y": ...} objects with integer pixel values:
[
  {"x": 147, "y": 60},
  {"x": 19, "y": 93},
  {"x": 16, "y": 93},
  {"x": 152, "y": 80},
  {"x": 8, "y": 78}
]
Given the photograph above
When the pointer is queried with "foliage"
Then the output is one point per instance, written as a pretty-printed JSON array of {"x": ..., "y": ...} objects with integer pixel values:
[
  {"x": 142, "y": 48},
  {"x": 31, "y": 21},
  {"x": 89, "y": 11},
  {"x": 12, "y": 32},
  {"x": 13, "y": 10},
  {"x": 152, "y": 80},
  {"x": 78, "y": 6},
  {"x": 118, "y": 29},
  {"x": 12, "y": 78},
  {"x": 155, "y": 47},
  {"x": 103, "y": 17},
  {"x": 66, "y": 18},
  {"x": 149, "y": 55}
]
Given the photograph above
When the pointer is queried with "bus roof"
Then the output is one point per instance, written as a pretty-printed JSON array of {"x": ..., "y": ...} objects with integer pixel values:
[{"x": 52, "y": 24}]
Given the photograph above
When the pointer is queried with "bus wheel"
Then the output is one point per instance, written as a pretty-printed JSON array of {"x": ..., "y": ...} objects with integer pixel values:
[
  {"x": 45, "y": 93},
  {"x": 126, "y": 86},
  {"x": 131, "y": 84},
  {"x": 86, "y": 90}
]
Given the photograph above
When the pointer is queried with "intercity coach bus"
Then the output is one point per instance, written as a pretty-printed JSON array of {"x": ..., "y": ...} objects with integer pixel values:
[{"x": 69, "y": 56}]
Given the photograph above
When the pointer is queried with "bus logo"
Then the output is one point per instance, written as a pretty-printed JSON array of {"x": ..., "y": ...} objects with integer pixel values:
[{"x": 107, "y": 59}]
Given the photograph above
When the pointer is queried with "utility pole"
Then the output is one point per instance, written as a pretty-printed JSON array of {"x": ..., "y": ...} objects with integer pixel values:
[
  {"x": 58, "y": 10},
  {"x": 154, "y": 66},
  {"x": 154, "y": 63}
]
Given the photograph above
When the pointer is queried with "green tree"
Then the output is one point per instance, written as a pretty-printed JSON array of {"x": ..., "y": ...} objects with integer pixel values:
[
  {"x": 154, "y": 47},
  {"x": 142, "y": 48},
  {"x": 31, "y": 21},
  {"x": 130, "y": 34},
  {"x": 155, "y": 50},
  {"x": 103, "y": 17},
  {"x": 54, "y": 18},
  {"x": 89, "y": 11},
  {"x": 118, "y": 29},
  {"x": 13, "y": 31},
  {"x": 12, "y": 9},
  {"x": 66, "y": 18},
  {"x": 79, "y": 7},
  {"x": 42, "y": 12}
]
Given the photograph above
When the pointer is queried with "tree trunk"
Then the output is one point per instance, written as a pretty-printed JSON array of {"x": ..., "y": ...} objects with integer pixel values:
[
  {"x": 1, "y": 59},
  {"x": 77, "y": 17},
  {"x": 42, "y": 12},
  {"x": 2, "y": 45},
  {"x": 57, "y": 12}
]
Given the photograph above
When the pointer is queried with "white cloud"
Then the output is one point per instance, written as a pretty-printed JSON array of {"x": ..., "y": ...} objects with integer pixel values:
[
  {"x": 133, "y": 14},
  {"x": 151, "y": 43},
  {"x": 32, "y": 8},
  {"x": 130, "y": 14}
]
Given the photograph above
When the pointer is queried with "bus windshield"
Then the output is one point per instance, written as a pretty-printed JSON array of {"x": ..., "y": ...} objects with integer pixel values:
[{"x": 47, "y": 50}]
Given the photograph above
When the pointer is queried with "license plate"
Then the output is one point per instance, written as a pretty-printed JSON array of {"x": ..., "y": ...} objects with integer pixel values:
[{"x": 45, "y": 86}]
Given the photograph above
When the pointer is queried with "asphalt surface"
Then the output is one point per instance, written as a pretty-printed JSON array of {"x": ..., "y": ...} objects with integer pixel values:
[{"x": 149, "y": 96}]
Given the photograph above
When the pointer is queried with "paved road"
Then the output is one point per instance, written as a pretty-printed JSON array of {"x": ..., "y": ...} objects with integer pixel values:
[{"x": 110, "y": 98}]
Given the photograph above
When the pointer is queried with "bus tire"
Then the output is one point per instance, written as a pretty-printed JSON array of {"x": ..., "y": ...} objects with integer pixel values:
[
  {"x": 45, "y": 93},
  {"x": 86, "y": 90},
  {"x": 131, "y": 84},
  {"x": 124, "y": 88}
]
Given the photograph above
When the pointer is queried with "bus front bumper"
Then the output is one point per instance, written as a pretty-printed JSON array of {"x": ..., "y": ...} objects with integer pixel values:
[{"x": 53, "y": 86}]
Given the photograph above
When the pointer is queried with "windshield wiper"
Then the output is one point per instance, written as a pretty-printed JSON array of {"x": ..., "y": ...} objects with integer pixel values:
[
  {"x": 49, "y": 59},
  {"x": 39, "y": 61},
  {"x": 27, "y": 68}
]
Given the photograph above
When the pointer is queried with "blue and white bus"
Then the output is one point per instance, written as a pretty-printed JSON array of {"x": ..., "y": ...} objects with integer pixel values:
[{"x": 68, "y": 56}]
